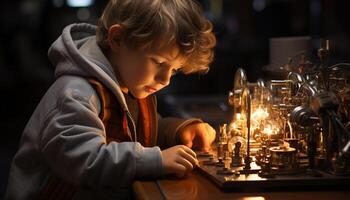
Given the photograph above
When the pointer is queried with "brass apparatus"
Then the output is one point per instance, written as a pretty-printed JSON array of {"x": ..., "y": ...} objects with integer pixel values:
[{"x": 295, "y": 126}]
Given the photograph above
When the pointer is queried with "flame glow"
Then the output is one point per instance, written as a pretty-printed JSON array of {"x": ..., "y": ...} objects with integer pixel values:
[{"x": 260, "y": 122}]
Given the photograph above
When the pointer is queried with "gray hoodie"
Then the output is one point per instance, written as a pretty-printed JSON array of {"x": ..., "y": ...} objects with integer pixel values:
[{"x": 66, "y": 137}]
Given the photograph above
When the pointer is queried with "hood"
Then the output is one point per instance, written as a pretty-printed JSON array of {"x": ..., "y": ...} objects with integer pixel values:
[{"x": 76, "y": 52}]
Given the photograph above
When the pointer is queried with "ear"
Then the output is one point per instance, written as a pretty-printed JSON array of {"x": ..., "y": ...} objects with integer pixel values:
[{"x": 115, "y": 36}]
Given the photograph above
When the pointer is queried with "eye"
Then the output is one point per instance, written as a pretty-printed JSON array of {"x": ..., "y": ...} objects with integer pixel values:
[{"x": 157, "y": 62}]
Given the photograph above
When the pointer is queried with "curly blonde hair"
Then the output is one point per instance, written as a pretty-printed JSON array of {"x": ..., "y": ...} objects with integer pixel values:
[{"x": 154, "y": 24}]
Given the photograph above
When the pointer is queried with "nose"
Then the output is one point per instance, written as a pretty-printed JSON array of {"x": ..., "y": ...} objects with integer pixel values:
[{"x": 163, "y": 76}]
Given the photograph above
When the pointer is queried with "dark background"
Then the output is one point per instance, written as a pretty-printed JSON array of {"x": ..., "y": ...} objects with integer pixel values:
[{"x": 243, "y": 29}]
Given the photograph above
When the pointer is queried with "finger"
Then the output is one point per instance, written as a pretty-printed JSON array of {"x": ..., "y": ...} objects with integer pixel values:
[
  {"x": 204, "y": 138},
  {"x": 189, "y": 144},
  {"x": 187, "y": 136},
  {"x": 206, "y": 145},
  {"x": 187, "y": 164},
  {"x": 212, "y": 134},
  {"x": 189, "y": 157},
  {"x": 189, "y": 151}
]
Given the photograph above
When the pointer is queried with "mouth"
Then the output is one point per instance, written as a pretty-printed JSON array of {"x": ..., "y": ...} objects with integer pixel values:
[{"x": 150, "y": 89}]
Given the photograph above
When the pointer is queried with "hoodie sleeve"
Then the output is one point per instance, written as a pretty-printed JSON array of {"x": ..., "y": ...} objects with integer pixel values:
[
  {"x": 168, "y": 129},
  {"x": 74, "y": 145}
]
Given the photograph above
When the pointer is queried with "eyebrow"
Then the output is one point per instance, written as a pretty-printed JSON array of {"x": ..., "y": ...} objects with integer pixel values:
[
  {"x": 158, "y": 55},
  {"x": 182, "y": 61}
]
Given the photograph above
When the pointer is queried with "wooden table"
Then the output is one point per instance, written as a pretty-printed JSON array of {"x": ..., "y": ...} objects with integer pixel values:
[{"x": 197, "y": 186}]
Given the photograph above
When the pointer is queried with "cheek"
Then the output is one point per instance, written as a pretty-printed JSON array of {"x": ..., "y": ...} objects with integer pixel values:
[
  {"x": 140, "y": 72},
  {"x": 129, "y": 65}
]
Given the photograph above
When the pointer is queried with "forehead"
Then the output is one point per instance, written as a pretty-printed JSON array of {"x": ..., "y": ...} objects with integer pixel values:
[{"x": 170, "y": 52}]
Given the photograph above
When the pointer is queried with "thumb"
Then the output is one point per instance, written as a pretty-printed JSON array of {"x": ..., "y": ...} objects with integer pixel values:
[
  {"x": 189, "y": 143},
  {"x": 206, "y": 145},
  {"x": 186, "y": 137}
]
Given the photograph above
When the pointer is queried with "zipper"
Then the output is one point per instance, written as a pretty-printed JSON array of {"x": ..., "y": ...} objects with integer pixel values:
[{"x": 133, "y": 125}]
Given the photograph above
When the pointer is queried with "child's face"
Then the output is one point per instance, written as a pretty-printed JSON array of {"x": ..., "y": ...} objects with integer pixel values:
[{"x": 144, "y": 72}]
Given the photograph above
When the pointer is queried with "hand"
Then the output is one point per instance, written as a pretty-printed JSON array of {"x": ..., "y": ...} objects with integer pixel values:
[
  {"x": 198, "y": 135},
  {"x": 179, "y": 160}
]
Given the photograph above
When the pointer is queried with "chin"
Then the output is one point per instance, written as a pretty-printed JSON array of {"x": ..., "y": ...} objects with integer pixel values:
[{"x": 140, "y": 95}]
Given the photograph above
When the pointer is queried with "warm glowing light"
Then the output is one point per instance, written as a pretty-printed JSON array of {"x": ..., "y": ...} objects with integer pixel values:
[
  {"x": 238, "y": 116},
  {"x": 270, "y": 129},
  {"x": 267, "y": 131},
  {"x": 260, "y": 114},
  {"x": 253, "y": 198},
  {"x": 232, "y": 126},
  {"x": 258, "y": 119},
  {"x": 261, "y": 124}
]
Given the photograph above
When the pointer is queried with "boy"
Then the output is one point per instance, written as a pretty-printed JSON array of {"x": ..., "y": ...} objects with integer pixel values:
[{"x": 97, "y": 129}]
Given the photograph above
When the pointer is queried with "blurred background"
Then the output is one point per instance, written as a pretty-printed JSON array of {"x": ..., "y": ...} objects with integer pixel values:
[{"x": 243, "y": 29}]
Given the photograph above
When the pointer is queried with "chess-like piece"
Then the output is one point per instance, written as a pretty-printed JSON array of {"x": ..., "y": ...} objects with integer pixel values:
[
  {"x": 237, "y": 159},
  {"x": 265, "y": 171}
]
